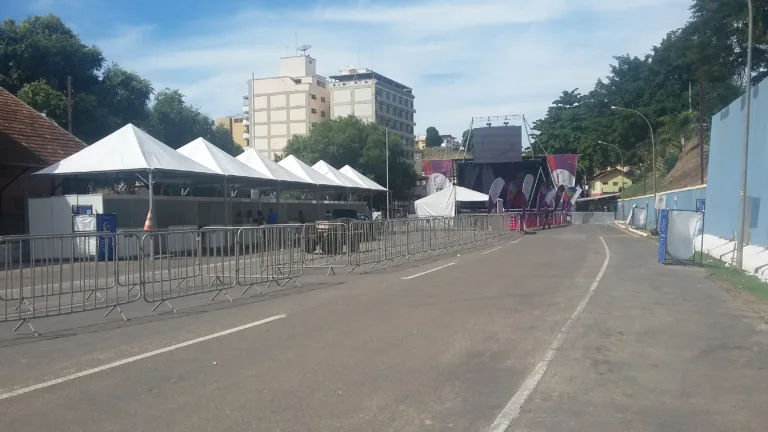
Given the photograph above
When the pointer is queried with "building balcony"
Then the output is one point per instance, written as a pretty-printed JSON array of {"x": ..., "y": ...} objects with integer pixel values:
[
  {"x": 246, "y": 108},
  {"x": 246, "y": 135}
]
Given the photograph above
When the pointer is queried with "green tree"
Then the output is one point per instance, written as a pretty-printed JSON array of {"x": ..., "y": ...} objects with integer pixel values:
[
  {"x": 46, "y": 100},
  {"x": 175, "y": 123},
  {"x": 350, "y": 141},
  {"x": 433, "y": 137},
  {"x": 657, "y": 85},
  {"x": 466, "y": 140}
]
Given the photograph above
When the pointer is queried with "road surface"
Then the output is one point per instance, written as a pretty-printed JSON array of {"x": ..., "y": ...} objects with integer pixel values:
[{"x": 570, "y": 329}]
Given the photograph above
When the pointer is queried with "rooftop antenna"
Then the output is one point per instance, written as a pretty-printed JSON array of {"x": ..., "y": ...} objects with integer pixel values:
[{"x": 304, "y": 49}]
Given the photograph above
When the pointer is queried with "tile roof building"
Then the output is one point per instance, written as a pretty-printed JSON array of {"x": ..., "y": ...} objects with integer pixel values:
[{"x": 29, "y": 141}]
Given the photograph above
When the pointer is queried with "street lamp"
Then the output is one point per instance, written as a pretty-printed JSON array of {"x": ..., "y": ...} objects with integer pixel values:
[
  {"x": 653, "y": 149},
  {"x": 745, "y": 150},
  {"x": 621, "y": 154}
]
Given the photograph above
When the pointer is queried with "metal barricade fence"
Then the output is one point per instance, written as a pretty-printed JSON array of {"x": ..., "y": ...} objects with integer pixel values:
[
  {"x": 592, "y": 218},
  {"x": 418, "y": 237},
  {"x": 327, "y": 245},
  {"x": 62, "y": 274},
  {"x": 51, "y": 275},
  {"x": 173, "y": 264},
  {"x": 396, "y": 240},
  {"x": 269, "y": 254},
  {"x": 372, "y": 244}
]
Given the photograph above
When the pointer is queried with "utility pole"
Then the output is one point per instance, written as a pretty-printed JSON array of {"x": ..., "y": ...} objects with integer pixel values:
[
  {"x": 386, "y": 145},
  {"x": 69, "y": 104},
  {"x": 745, "y": 150},
  {"x": 701, "y": 126}
]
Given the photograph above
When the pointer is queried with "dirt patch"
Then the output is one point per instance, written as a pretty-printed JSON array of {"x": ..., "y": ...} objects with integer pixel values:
[{"x": 686, "y": 172}]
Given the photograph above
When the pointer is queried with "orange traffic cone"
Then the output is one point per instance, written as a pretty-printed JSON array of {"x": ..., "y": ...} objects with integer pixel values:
[{"x": 148, "y": 222}]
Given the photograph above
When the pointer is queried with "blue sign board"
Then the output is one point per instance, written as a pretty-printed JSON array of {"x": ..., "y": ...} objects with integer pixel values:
[
  {"x": 663, "y": 217},
  {"x": 700, "y": 204},
  {"x": 106, "y": 223},
  {"x": 82, "y": 209}
]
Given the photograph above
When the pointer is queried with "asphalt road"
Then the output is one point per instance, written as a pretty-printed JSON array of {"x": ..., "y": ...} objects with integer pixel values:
[{"x": 443, "y": 344}]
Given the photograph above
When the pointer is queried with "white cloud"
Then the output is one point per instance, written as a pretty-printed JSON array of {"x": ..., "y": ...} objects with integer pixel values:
[{"x": 502, "y": 57}]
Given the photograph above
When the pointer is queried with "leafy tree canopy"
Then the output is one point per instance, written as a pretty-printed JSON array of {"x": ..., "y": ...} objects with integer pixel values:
[
  {"x": 350, "y": 141},
  {"x": 657, "y": 85},
  {"x": 39, "y": 53},
  {"x": 433, "y": 137}
]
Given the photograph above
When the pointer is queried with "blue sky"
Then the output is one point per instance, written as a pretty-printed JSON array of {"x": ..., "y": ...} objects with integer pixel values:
[{"x": 463, "y": 58}]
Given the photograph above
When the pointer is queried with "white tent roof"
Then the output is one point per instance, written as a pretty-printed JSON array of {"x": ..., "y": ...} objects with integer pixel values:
[
  {"x": 443, "y": 203},
  {"x": 332, "y": 173},
  {"x": 299, "y": 168},
  {"x": 216, "y": 159},
  {"x": 267, "y": 166},
  {"x": 128, "y": 149},
  {"x": 361, "y": 179}
]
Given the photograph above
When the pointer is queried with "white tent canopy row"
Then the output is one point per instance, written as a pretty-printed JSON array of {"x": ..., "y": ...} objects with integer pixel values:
[
  {"x": 443, "y": 203},
  {"x": 130, "y": 150}
]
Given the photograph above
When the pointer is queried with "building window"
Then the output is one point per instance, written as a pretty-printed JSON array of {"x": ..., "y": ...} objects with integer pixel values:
[
  {"x": 322, "y": 113},
  {"x": 615, "y": 183},
  {"x": 238, "y": 120},
  {"x": 314, "y": 111},
  {"x": 378, "y": 92},
  {"x": 313, "y": 124},
  {"x": 387, "y": 109},
  {"x": 313, "y": 97},
  {"x": 387, "y": 95},
  {"x": 605, "y": 183},
  {"x": 320, "y": 84},
  {"x": 322, "y": 98}
]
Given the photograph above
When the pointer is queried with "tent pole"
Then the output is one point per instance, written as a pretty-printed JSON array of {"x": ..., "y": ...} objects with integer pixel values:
[
  {"x": 151, "y": 186},
  {"x": 226, "y": 202},
  {"x": 318, "y": 203},
  {"x": 278, "y": 202}
]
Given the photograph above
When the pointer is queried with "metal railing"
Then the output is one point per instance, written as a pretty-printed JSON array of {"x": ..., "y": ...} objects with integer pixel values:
[
  {"x": 62, "y": 274},
  {"x": 593, "y": 218}
]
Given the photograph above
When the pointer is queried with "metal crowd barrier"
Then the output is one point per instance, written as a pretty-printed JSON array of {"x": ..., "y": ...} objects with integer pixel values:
[
  {"x": 68, "y": 273},
  {"x": 593, "y": 218},
  {"x": 63, "y": 274}
]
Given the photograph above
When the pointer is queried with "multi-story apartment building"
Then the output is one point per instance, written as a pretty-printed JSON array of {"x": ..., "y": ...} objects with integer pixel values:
[
  {"x": 373, "y": 97},
  {"x": 237, "y": 127},
  {"x": 290, "y": 104}
]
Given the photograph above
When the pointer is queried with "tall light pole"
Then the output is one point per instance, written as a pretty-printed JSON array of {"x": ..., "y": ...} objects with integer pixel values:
[
  {"x": 745, "y": 150},
  {"x": 622, "y": 174},
  {"x": 653, "y": 148},
  {"x": 386, "y": 145}
]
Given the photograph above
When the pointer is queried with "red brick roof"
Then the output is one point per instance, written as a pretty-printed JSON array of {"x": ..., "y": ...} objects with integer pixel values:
[{"x": 28, "y": 138}]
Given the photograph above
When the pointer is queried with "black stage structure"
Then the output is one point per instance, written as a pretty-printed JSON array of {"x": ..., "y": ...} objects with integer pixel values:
[{"x": 479, "y": 176}]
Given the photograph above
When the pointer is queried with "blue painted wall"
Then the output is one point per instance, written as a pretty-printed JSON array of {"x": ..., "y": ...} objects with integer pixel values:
[
  {"x": 680, "y": 200},
  {"x": 725, "y": 168}
]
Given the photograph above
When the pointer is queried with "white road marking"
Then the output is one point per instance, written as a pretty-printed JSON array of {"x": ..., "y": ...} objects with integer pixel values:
[
  {"x": 135, "y": 358},
  {"x": 492, "y": 250},
  {"x": 512, "y": 410},
  {"x": 428, "y": 271}
]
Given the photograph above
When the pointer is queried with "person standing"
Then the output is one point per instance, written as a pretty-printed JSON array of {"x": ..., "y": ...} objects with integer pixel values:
[{"x": 272, "y": 217}]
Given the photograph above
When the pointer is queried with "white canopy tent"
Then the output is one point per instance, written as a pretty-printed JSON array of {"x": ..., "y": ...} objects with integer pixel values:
[
  {"x": 219, "y": 161},
  {"x": 271, "y": 169},
  {"x": 305, "y": 172},
  {"x": 127, "y": 150},
  {"x": 332, "y": 173},
  {"x": 361, "y": 179},
  {"x": 443, "y": 203},
  {"x": 130, "y": 151}
]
